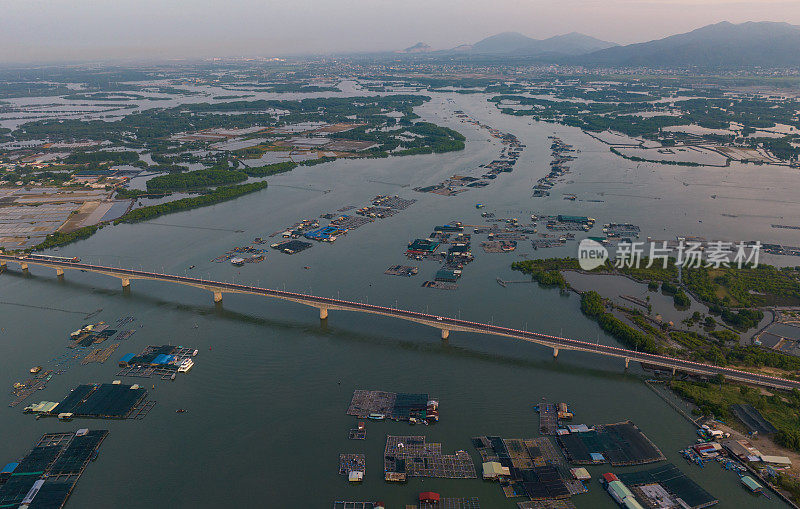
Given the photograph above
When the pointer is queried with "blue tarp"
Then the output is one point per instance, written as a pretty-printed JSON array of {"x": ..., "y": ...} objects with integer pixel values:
[
  {"x": 126, "y": 358},
  {"x": 161, "y": 359},
  {"x": 9, "y": 468}
]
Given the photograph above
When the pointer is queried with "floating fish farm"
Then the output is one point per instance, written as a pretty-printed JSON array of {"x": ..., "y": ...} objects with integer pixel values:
[
  {"x": 101, "y": 401},
  {"x": 46, "y": 476}
]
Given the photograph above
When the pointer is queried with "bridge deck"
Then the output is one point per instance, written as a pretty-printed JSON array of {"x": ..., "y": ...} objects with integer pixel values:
[{"x": 446, "y": 324}]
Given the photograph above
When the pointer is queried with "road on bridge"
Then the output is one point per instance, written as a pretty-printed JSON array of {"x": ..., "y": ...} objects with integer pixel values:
[{"x": 441, "y": 322}]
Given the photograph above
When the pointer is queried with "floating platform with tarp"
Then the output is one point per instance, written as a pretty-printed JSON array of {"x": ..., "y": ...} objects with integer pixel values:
[
  {"x": 536, "y": 469},
  {"x": 620, "y": 444},
  {"x": 377, "y": 212},
  {"x": 161, "y": 361},
  {"x": 449, "y": 503},
  {"x": 291, "y": 246},
  {"x": 345, "y": 222},
  {"x": 352, "y": 463},
  {"x": 411, "y": 456},
  {"x": 394, "y": 202},
  {"x": 94, "y": 337},
  {"x": 400, "y": 406},
  {"x": 356, "y": 505},
  {"x": 563, "y": 503},
  {"x": 440, "y": 285},
  {"x": 101, "y": 401},
  {"x": 499, "y": 246},
  {"x": 672, "y": 481},
  {"x": 46, "y": 476},
  {"x": 401, "y": 270}
]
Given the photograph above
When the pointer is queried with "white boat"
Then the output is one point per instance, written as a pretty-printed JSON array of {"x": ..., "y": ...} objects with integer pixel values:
[{"x": 185, "y": 366}]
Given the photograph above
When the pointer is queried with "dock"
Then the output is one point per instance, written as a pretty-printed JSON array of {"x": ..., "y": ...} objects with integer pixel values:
[
  {"x": 548, "y": 418},
  {"x": 634, "y": 300},
  {"x": 100, "y": 355},
  {"x": 685, "y": 415},
  {"x": 504, "y": 283}
]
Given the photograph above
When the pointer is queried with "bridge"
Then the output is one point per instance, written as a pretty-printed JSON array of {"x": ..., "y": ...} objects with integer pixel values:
[{"x": 444, "y": 324}]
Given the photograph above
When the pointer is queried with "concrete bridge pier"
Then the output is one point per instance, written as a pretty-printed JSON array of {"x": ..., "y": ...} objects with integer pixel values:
[
  {"x": 217, "y": 296},
  {"x": 673, "y": 371},
  {"x": 555, "y": 353},
  {"x": 126, "y": 283},
  {"x": 445, "y": 334},
  {"x": 323, "y": 313},
  {"x": 3, "y": 264},
  {"x": 60, "y": 272},
  {"x": 23, "y": 266},
  {"x": 627, "y": 361}
]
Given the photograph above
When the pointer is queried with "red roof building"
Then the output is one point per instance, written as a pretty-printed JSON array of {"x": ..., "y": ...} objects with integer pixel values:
[{"x": 429, "y": 496}]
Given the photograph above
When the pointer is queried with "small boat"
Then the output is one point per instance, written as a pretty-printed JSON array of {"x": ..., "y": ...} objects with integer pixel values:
[
  {"x": 191, "y": 267},
  {"x": 180, "y": 410},
  {"x": 36, "y": 369},
  {"x": 172, "y": 377},
  {"x": 377, "y": 417},
  {"x": 307, "y": 267}
]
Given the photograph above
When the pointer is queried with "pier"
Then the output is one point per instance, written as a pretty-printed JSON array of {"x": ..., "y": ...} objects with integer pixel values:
[{"x": 445, "y": 324}]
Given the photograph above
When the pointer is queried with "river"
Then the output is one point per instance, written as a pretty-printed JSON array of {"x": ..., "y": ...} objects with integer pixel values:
[{"x": 266, "y": 400}]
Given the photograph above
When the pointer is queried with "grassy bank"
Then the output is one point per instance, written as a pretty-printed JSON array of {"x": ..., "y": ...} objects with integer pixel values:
[
  {"x": 219, "y": 195},
  {"x": 781, "y": 409}
]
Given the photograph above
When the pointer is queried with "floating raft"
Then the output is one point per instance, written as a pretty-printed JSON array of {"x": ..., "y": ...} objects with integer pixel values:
[
  {"x": 47, "y": 475},
  {"x": 411, "y": 456}
]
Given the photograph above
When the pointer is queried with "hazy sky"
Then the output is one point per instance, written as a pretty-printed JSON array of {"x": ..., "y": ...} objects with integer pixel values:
[{"x": 78, "y": 30}]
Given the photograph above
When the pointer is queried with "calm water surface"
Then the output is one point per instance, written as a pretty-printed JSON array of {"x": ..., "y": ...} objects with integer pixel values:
[{"x": 266, "y": 400}]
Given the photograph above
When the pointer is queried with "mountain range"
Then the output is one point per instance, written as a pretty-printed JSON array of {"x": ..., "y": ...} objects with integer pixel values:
[
  {"x": 514, "y": 43},
  {"x": 765, "y": 44},
  {"x": 721, "y": 45}
]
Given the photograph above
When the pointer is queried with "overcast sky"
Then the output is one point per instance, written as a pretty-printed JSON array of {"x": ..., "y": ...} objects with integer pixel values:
[{"x": 79, "y": 30}]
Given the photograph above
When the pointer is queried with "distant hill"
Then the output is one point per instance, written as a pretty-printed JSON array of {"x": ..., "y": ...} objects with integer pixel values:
[
  {"x": 419, "y": 47},
  {"x": 723, "y": 44},
  {"x": 514, "y": 43}
]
